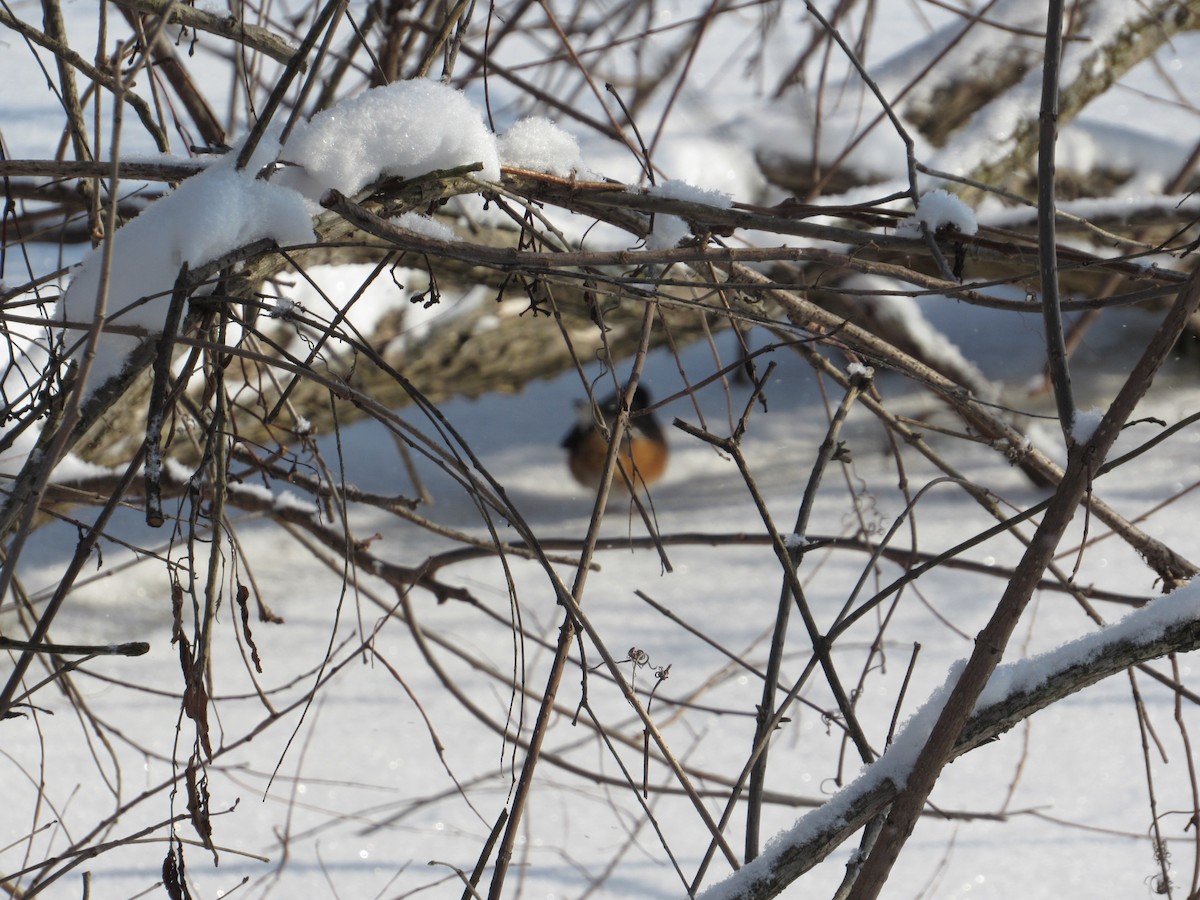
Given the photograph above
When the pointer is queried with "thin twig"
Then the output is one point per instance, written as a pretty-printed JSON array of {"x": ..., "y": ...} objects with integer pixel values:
[
  {"x": 1056, "y": 350},
  {"x": 826, "y": 453}
]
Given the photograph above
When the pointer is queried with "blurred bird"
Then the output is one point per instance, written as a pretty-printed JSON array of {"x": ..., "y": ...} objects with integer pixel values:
[{"x": 643, "y": 454}]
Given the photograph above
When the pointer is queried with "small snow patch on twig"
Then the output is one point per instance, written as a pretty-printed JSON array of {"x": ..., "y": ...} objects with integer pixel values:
[
  {"x": 681, "y": 190},
  {"x": 937, "y": 210},
  {"x": 539, "y": 145},
  {"x": 426, "y": 226},
  {"x": 1086, "y": 422}
]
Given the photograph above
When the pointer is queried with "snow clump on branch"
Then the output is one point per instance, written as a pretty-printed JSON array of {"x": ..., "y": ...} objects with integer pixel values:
[
  {"x": 937, "y": 210},
  {"x": 402, "y": 130},
  {"x": 537, "y": 144}
]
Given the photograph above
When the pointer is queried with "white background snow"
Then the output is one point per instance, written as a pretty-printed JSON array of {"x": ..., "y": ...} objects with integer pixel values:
[{"x": 362, "y": 801}]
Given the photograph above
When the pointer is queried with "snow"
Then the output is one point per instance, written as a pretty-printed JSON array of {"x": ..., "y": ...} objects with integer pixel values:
[
  {"x": 1140, "y": 626},
  {"x": 938, "y": 209},
  {"x": 23, "y": 355},
  {"x": 854, "y": 133},
  {"x": 538, "y": 144},
  {"x": 282, "y": 308},
  {"x": 177, "y": 470},
  {"x": 1086, "y": 422},
  {"x": 362, "y": 795},
  {"x": 517, "y": 438},
  {"x": 291, "y": 501},
  {"x": 961, "y": 44},
  {"x": 669, "y": 230},
  {"x": 893, "y": 766},
  {"x": 74, "y": 469},
  {"x": 677, "y": 189},
  {"x": 992, "y": 131},
  {"x": 399, "y": 294},
  {"x": 207, "y": 216},
  {"x": 402, "y": 130},
  {"x": 1119, "y": 208},
  {"x": 258, "y": 491},
  {"x": 1009, "y": 680},
  {"x": 908, "y": 327},
  {"x": 426, "y": 226}
]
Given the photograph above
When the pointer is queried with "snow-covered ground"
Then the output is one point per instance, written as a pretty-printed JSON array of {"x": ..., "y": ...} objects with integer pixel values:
[{"x": 392, "y": 778}]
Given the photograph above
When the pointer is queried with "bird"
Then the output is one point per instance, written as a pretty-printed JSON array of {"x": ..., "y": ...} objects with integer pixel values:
[{"x": 644, "y": 451}]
